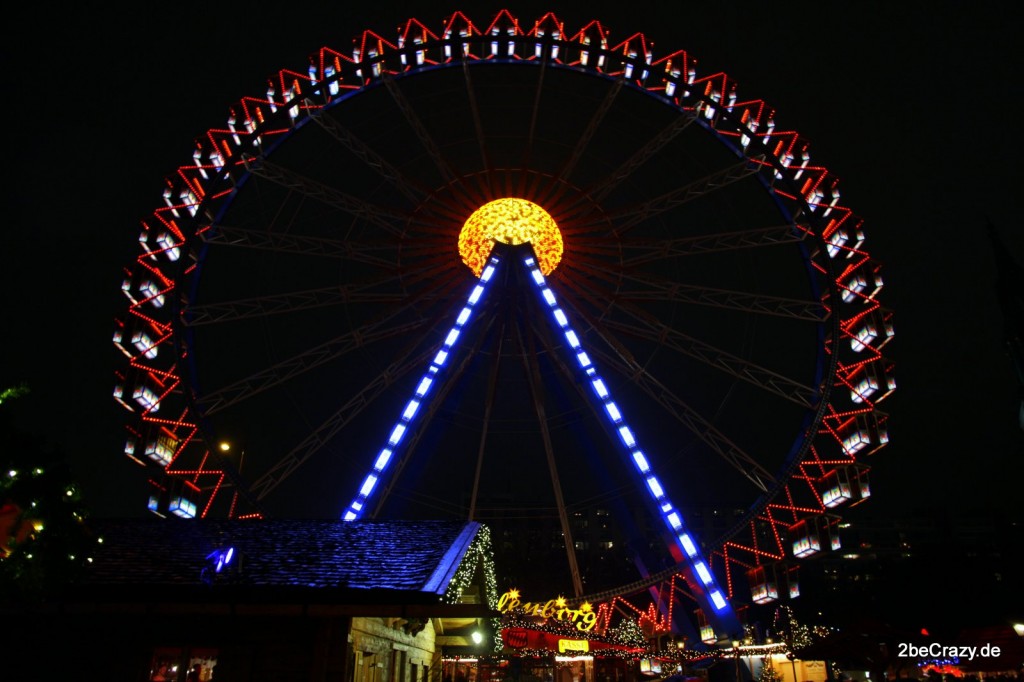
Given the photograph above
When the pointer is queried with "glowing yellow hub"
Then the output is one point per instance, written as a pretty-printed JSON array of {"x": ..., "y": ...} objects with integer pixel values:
[{"x": 510, "y": 221}]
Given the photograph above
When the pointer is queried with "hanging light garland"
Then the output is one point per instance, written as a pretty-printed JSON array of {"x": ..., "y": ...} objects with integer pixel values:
[{"x": 480, "y": 553}]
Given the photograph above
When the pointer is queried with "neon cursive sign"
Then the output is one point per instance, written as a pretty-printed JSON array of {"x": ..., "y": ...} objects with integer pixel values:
[{"x": 584, "y": 617}]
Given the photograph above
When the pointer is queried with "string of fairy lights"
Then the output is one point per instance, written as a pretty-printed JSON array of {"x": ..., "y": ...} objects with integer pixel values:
[
  {"x": 480, "y": 555},
  {"x": 626, "y": 639}
]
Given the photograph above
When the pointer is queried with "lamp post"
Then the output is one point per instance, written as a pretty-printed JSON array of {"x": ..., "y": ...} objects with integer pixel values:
[
  {"x": 225, "y": 447},
  {"x": 792, "y": 660}
]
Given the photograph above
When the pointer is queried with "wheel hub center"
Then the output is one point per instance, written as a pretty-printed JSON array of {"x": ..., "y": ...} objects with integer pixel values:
[{"x": 510, "y": 221}]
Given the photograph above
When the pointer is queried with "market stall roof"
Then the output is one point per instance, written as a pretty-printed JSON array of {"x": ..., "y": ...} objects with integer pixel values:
[{"x": 360, "y": 568}]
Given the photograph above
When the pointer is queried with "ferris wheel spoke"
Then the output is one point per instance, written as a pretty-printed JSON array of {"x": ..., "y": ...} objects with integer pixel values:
[
  {"x": 409, "y": 189},
  {"x": 659, "y": 289},
  {"x": 492, "y": 391},
  {"x": 640, "y": 251},
  {"x": 357, "y": 251},
  {"x": 606, "y": 186},
  {"x": 388, "y": 325},
  {"x": 384, "y": 255},
  {"x": 725, "y": 448},
  {"x": 525, "y": 160},
  {"x": 773, "y": 382},
  {"x": 448, "y": 175},
  {"x": 323, "y": 434},
  {"x": 627, "y": 218},
  {"x": 583, "y": 143},
  {"x": 623, "y": 363},
  {"x": 294, "y": 301},
  {"x": 388, "y": 219},
  {"x": 478, "y": 127},
  {"x": 532, "y": 368},
  {"x": 645, "y": 325}
]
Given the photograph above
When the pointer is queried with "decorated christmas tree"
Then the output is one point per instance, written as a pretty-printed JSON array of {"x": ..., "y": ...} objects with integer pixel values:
[
  {"x": 768, "y": 672},
  {"x": 629, "y": 633}
]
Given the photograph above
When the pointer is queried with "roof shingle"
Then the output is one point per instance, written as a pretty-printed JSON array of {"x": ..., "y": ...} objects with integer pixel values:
[{"x": 407, "y": 556}]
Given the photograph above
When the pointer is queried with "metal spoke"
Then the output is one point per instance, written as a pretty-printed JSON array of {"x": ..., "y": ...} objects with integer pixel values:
[
  {"x": 293, "y": 301},
  {"x": 384, "y": 217},
  {"x": 648, "y": 326},
  {"x": 443, "y": 167},
  {"x": 639, "y": 251},
  {"x": 410, "y": 190},
  {"x": 492, "y": 390},
  {"x": 323, "y": 434},
  {"x": 559, "y": 186},
  {"x": 718, "y": 442},
  {"x": 361, "y": 251},
  {"x": 754, "y": 374},
  {"x": 626, "y": 365},
  {"x": 479, "y": 128},
  {"x": 627, "y": 218},
  {"x": 600, "y": 191},
  {"x": 447, "y": 174},
  {"x": 668, "y": 290},
  {"x": 278, "y": 304},
  {"x": 315, "y": 357},
  {"x": 534, "y": 112},
  {"x": 532, "y": 368},
  {"x": 590, "y": 130}
]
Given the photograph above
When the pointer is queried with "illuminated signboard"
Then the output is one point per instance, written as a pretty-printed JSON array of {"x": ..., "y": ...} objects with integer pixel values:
[
  {"x": 573, "y": 646},
  {"x": 584, "y": 617}
]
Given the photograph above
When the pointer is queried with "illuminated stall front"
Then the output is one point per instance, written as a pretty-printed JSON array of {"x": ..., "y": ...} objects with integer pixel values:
[{"x": 556, "y": 641}]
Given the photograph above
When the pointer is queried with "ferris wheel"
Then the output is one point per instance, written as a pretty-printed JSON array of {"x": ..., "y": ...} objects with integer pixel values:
[{"x": 513, "y": 271}]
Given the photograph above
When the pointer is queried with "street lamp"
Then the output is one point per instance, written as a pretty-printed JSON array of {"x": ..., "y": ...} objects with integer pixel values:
[{"x": 225, "y": 447}]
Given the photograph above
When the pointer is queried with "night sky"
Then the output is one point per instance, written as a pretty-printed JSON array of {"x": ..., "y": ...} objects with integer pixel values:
[{"x": 914, "y": 106}]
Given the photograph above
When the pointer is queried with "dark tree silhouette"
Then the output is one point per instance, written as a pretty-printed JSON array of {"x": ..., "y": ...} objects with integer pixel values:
[{"x": 44, "y": 538}]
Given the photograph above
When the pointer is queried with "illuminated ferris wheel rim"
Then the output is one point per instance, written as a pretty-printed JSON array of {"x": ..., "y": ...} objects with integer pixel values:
[
  {"x": 637, "y": 62},
  {"x": 380, "y": 63}
]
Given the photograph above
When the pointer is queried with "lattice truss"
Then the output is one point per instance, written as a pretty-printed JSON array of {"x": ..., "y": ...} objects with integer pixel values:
[{"x": 796, "y": 518}]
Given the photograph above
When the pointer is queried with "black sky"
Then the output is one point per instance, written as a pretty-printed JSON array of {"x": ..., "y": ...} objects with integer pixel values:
[{"x": 916, "y": 107}]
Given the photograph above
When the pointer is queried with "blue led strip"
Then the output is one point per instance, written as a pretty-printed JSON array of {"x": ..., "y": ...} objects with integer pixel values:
[
  {"x": 358, "y": 506},
  {"x": 669, "y": 514}
]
